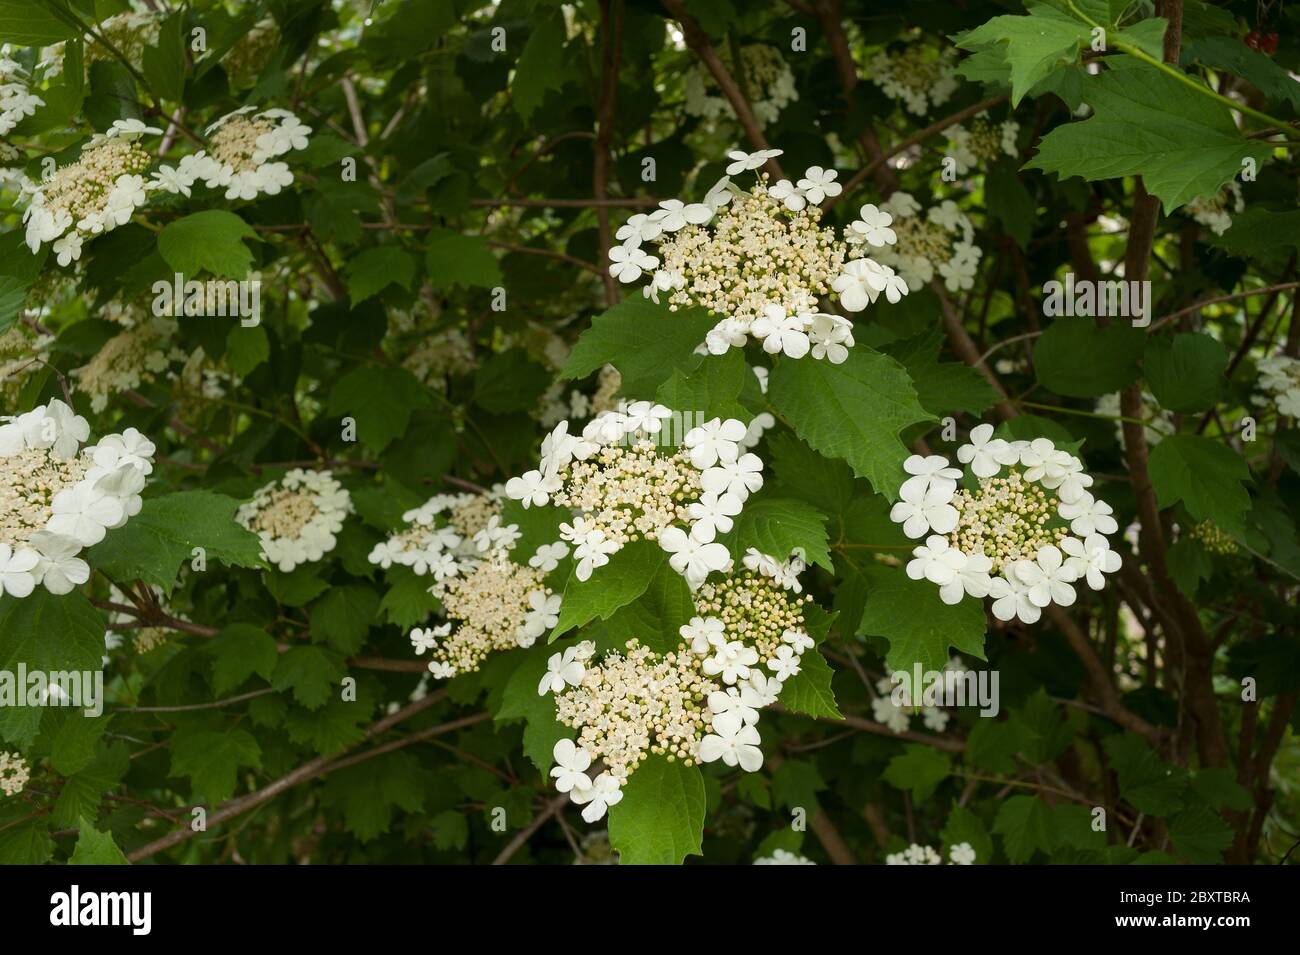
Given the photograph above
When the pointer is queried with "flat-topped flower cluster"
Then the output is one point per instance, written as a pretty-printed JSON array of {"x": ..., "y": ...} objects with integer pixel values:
[
  {"x": 760, "y": 260},
  {"x": 57, "y": 497},
  {"x": 297, "y": 517},
  {"x": 623, "y": 486},
  {"x": 916, "y": 854},
  {"x": 697, "y": 703},
  {"x": 447, "y": 533},
  {"x": 920, "y": 76},
  {"x": 941, "y": 242},
  {"x": 1023, "y": 530},
  {"x": 102, "y": 189}
]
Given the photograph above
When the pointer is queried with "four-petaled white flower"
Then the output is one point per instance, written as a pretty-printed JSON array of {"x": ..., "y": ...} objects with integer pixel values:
[
  {"x": 738, "y": 748},
  {"x": 1091, "y": 558},
  {"x": 735, "y": 707},
  {"x": 731, "y": 660},
  {"x": 1089, "y": 515},
  {"x": 781, "y": 332},
  {"x": 678, "y": 215},
  {"x": 818, "y": 183},
  {"x": 548, "y": 556},
  {"x": 562, "y": 670},
  {"x": 785, "y": 192},
  {"x": 739, "y": 478},
  {"x": 986, "y": 454},
  {"x": 596, "y": 800},
  {"x": 714, "y": 441},
  {"x": 1048, "y": 577},
  {"x": 743, "y": 162},
  {"x": 923, "y": 509},
  {"x": 1011, "y": 600},
  {"x": 17, "y": 570},
  {"x": 691, "y": 558},
  {"x": 704, "y": 634},
  {"x": 873, "y": 227},
  {"x": 940, "y": 563},
  {"x": 628, "y": 262},
  {"x": 930, "y": 470},
  {"x": 570, "y": 770},
  {"x": 712, "y": 514},
  {"x": 785, "y": 664},
  {"x": 532, "y": 487}
]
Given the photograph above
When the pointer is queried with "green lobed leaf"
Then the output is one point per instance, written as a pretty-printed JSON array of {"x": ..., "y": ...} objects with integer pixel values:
[
  {"x": 660, "y": 819},
  {"x": 853, "y": 411}
]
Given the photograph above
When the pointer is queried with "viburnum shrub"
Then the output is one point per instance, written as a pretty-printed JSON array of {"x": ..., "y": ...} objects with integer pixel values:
[{"x": 773, "y": 433}]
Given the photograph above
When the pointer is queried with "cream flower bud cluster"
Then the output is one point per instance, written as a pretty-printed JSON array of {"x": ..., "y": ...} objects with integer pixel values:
[
  {"x": 1279, "y": 383},
  {"x": 243, "y": 156},
  {"x": 977, "y": 145},
  {"x": 960, "y": 854},
  {"x": 941, "y": 242},
  {"x": 135, "y": 356},
  {"x": 554, "y": 408},
  {"x": 1215, "y": 212},
  {"x": 297, "y": 517},
  {"x": 784, "y": 857},
  {"x": 14, "y": 773},
  {"x": 1214, "y": 538},
  {"x": 497, "y": 604},
  {"x": 919, "y": 76},
  {"x": 94, "y": 194},
  {"x": 622, "y": 486},
  {"x": 17, "y": 101},
  {"x": 766, "y": 77},
  {"x": 130, "y": 33},
  {"x": 760, "y": 260},
  {"x": 446, "y": 534},
  {"x": 57, "y": 497},
  {"x": 1028, "y": 531},
  {"x": 698, "y": 703},
  {"x": 245, "y": 60},
  {"x": 894, "y": 706},
  {"x": 143, "y": 639}
]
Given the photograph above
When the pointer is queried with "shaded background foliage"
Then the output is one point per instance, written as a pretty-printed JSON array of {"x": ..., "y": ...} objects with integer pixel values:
[{"x": 490, "y": 175}]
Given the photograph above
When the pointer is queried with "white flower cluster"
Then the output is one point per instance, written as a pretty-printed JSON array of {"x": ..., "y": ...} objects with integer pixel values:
[
  {"x": 17, "y": 101},
  {"x": 760, "y": 260},
  {"x": 498, "y": 604},
  {"x": 897, "y": 714},
  {"x": 57, "y": 497},
  {"x": 137, "y": 354},
  {"x": 1159, "y": 424},
  {"x": 14, "y": 773},
  {"x": 766, "y": 77},
  {"x": 243, "y": 158},
  {"x": 297, "y": 517},
  {"x": 1279, "y": 383},
  {"x": 979, "y": 144},
  {"x": 920, "y": 76},
  {"x": 447, "y": 533},
  {"x": 1216, "y": 211},
  {"x": 621, "y": 486},
  {"x": 942, "y": 241},
  {"x": 699, "y": 703},
  {"x": 95, "y": 194},
  {"x": 960, "y": 854},
  {"x": 1028, "y": 531},
  {"x": 784, "y": 857}
]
